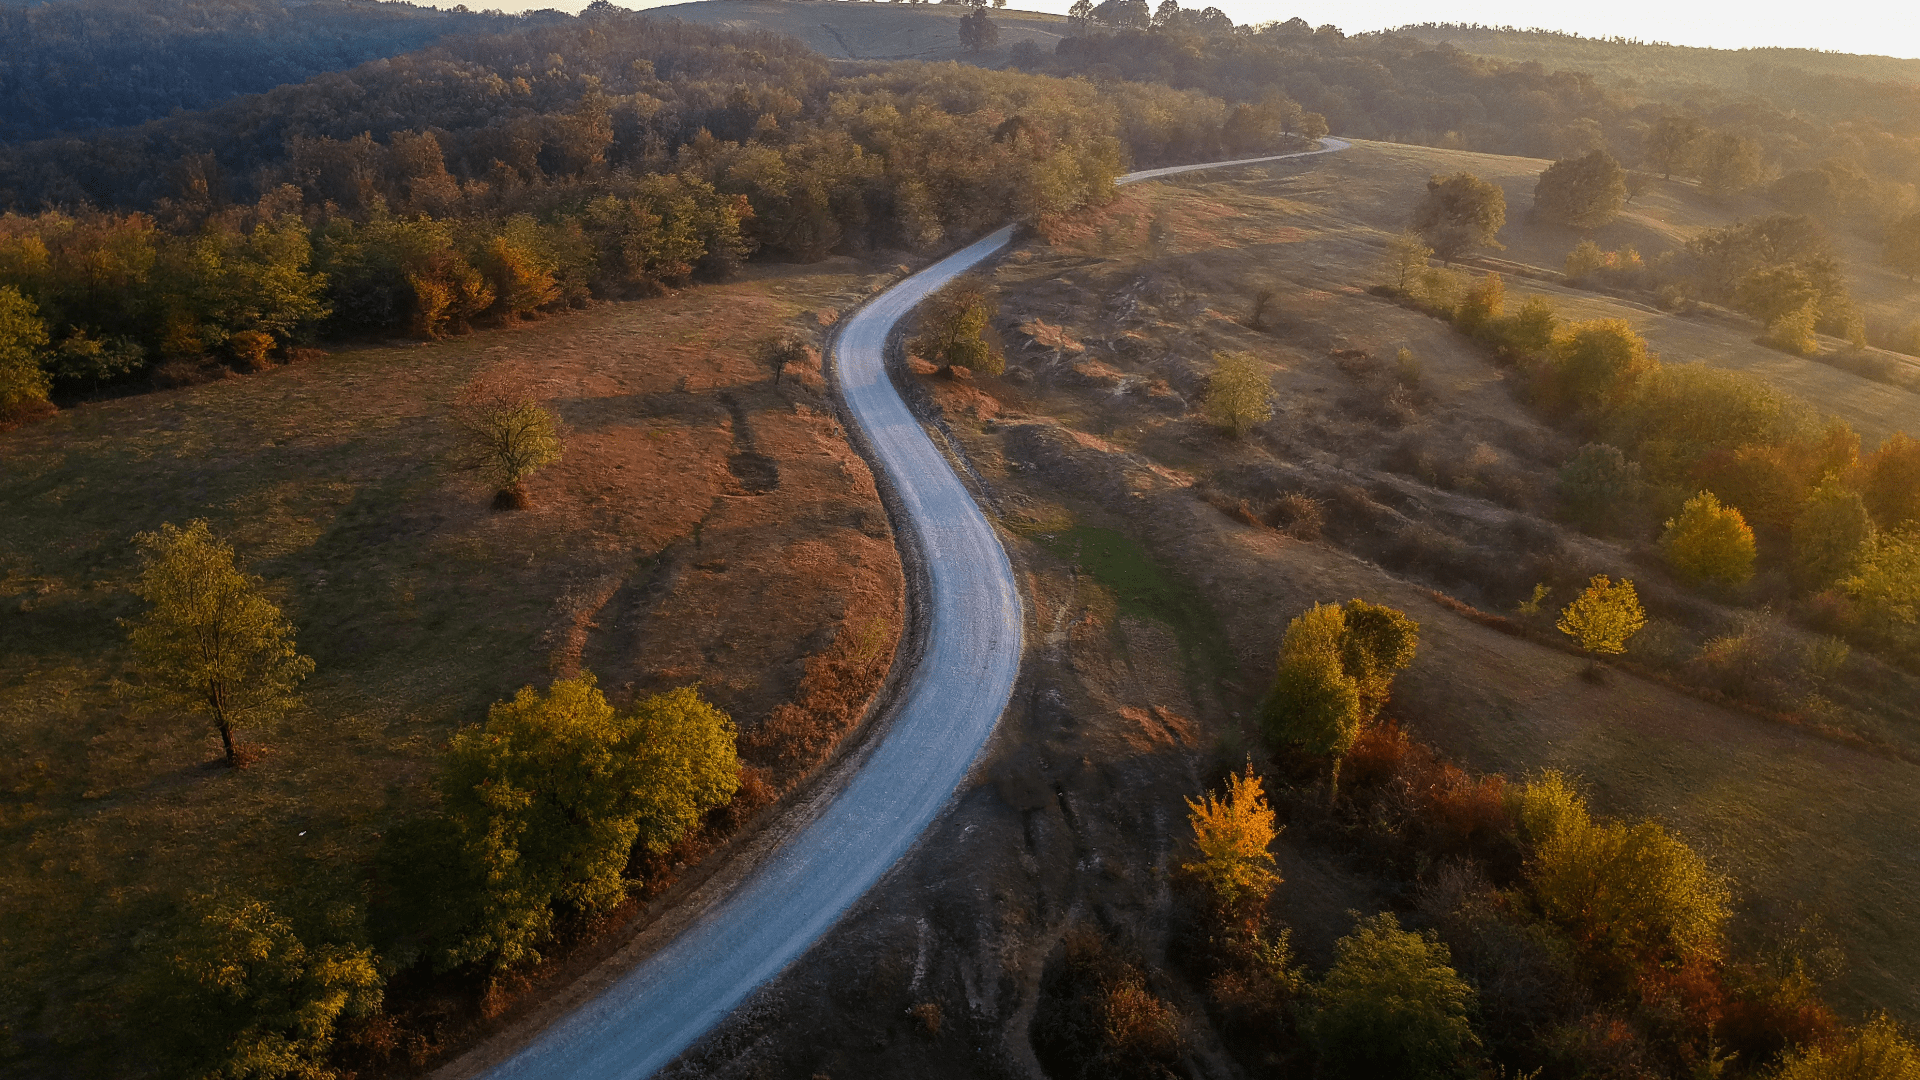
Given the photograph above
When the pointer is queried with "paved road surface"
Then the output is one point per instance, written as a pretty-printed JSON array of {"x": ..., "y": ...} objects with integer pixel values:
[{"x": 944, "y": 716}]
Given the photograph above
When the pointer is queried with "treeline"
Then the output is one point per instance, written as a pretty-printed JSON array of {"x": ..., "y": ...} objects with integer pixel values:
[
  {"x": 76, "y": 65},
  {"x": 1748, "y": 492},
  {"x": 526, "y": 172}
]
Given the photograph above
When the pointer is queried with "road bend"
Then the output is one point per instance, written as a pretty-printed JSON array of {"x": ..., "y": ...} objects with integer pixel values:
[{"x": 943, "y": 717}]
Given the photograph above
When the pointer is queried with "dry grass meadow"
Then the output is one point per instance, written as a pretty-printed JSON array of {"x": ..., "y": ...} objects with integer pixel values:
[
  {"x": 1110, "y": 323},
  {"x": 705, "y": 525}
]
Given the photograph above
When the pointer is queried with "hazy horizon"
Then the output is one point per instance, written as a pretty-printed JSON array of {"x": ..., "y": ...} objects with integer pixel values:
[{"x": 1850, "y": 26}]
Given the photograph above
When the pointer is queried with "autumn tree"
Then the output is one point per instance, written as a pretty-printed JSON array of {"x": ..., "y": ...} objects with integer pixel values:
[
  {"x": 1314, "y": 704},
  {"x": 1239, "y": 397},
  {"x": 1876, "y": 1050},
  {"x": 1604, "y": 617},
  {"x": 1901, "y": 247},
  {"x": 1892, "y": 482},
  {"x": 1378, "y": 643},
  {"x": 1831, "y": 529},
  {"x": 1404, "y": 261},
  {"x": 210, "y": 640},
  {"x": 1596, "y": 361},
  {"x": 1673, "y": 143},
  {"x": 23, "y": 340},
  {"x": 244, "y": 996},
  {"x": 1459, "y": 214},
  {"x": 1232, "y": 833},
  {"x": 1730, "y": 164},
  {"x": 1709, "y": 543},
  {"x": 548, "y": 799},
  {"x": 1629, "y": 895},
  {"x": 1482, "y": 307},
  {"x": 506, "y": 434},
  {"x": 953, "y": 330},
  {"x": 1885, "y": 582},
  {"x": 1530, "y": 330},
  {"x": 1786, "y": 301},
  {"x": 1392, "y": 1005},
  {"x": 1584, "y": 192}
]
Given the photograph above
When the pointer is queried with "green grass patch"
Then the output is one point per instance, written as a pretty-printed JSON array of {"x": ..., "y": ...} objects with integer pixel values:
[{"x": 1144, "y": 589}]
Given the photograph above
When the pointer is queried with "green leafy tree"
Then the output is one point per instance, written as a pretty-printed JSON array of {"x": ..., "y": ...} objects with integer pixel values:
[
  {"x": 548, "y": 800},
  {"x": 1377, "y": 643},
  {"x": 23, "y": 340},
  {"x": 1604, "y": 617},
  {"x": 211, "y": 640},
  {"x": 977, "y": 32},
  {"x": 1709, "y": 543},
  {"x": 1480, "y": 310},
  {"x": 1901, "y": 248},
  {"x": 953, "y": 330},
  {"x": 506, "y": 434},
  {"x": 1829, "y": 533},
  {"x": 1786, "y": 300},
  {"x": 1459, "y": 214},
  {"x": 1392, "y": 1005},
  {"x": 1584, "y": 192},
  {"x": 246, "y": 999},
  {"x": 1232, "y": 834},
  {"x": 1673, "y": 144},
  {"x": 1599, "y": 486},
  {"x": 1877, "y": 1050},
  {"x": 1315, "y": 704},
  {"x": 1239, "y": 397}
]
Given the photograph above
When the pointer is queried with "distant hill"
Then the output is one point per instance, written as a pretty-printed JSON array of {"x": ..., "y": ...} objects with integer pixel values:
[
  {"x": 859, "y": 31},
  {"x": 68, "y": 66},
  {"x": 1660, "y": 65}
]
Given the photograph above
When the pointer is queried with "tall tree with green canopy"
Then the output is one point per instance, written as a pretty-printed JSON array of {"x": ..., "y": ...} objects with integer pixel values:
[
  {"x": 1673, "y": 143},
  {"x": 549, "y": 798},
  {"x": 1379, "y": 642},
  {"x": 1314, "y": 704},
  {"x": 211, "y": 640},
  {"x": 1829, "y": 532}
]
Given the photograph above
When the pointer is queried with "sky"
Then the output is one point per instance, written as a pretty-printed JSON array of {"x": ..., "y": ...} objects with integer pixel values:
[{"x": 1857, "y": 26}]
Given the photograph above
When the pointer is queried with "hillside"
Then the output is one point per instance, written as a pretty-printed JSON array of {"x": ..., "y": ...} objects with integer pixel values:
[
  {"x": 1668, "y": 67},
  {"x": 1162, "y": 571},
  {"x": 70, "y": 66},
  {"x": 848, "y": 30}
]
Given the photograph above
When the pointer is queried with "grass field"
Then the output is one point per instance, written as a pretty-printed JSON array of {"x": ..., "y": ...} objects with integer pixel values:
[{"x": 704, "y": 526}]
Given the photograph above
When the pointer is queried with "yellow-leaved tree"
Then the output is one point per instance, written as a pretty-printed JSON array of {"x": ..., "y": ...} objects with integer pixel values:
[
  {"x": 1239, "y": 396},
  {"x": 1232, "y": 834},
  {"x": 1709, "y": 543},
  {"x": 1876, "y": 1050},
  {"x": 547, "y": 801},
  {"x": 1604, "y": 617},
  {"x": 23, "y": 338},
  {"x": 506, "y": 434},
  {"x": 211, "y": 640},
  {"x": 953, "y": 330}
]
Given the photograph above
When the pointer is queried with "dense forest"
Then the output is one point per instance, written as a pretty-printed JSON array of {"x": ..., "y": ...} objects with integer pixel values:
[
  {"x": 499, "y": 175},
  {"x": 76, "y": 65}
]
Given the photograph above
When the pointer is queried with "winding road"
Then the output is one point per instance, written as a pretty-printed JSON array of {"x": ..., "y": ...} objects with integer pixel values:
[{"x": 971, "y": 653}]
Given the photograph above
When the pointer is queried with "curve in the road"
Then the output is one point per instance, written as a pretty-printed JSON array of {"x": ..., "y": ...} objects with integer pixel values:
[{"x": 948, "y": 709}]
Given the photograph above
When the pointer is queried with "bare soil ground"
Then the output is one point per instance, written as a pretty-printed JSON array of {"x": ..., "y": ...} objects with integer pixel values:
[
  {"x": 1159, "y": 597},
  {"x": 705, "y": 525}
]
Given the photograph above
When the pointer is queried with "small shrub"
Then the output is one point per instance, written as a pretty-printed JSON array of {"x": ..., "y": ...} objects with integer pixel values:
[
  {"x": 507, "y": 435},
  {"x": 1878, "y": 1050},
  {"x": 1299, "y": 515},
  {"x": 1599, "y": 487},
  {"x": 1239, "y": 393}
]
